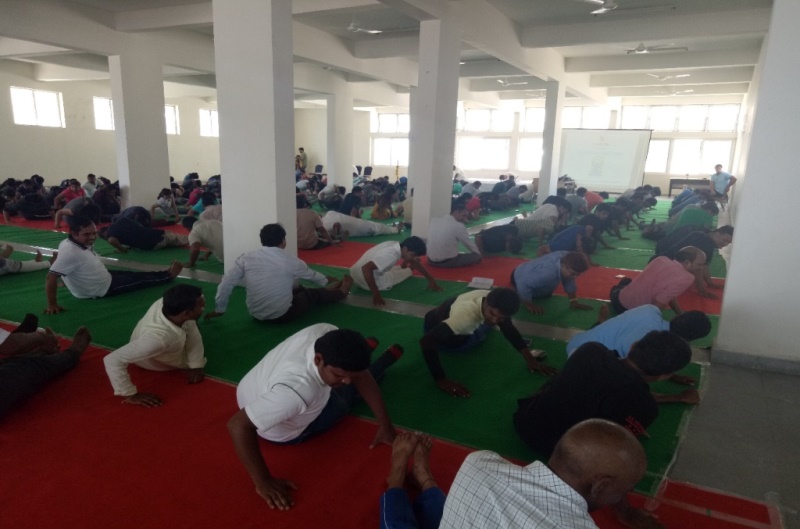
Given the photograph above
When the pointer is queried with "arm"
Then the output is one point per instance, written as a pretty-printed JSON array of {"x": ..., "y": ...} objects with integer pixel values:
[
  {"x": 195, "y": 353},
  {"x": 464, "y": 237},
  {"x": 513, "y": 336},
  {"x": 430, "y": 351},
  {"x": 116, "y": 364},
  {"x": 703, "y": 279},
  {"x": 229, "y": 280},
  {"x": 634, "y": 518},
  {"x": 479, "y": 242},
  {"x": 59, "y": 198},
  {"x": 113, "y": 241},
  {"x": 730, "y": 184},
  {"x": 371, "y": 393},
  {"x": 572, "y": 293},
  {"x": 432, "y": 284},
  {"x": 275, "y": 491},
  {"x": 673, "y": 304},
  {"x": 302, "y": 271},
  {"x": 51, "y": 289},
  {"x": 194, "y": 252},
  {"x": 369, "y": 276}
]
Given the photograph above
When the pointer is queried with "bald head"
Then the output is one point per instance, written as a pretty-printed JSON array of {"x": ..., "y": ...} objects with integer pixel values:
[{"x": 600, "y": 459}]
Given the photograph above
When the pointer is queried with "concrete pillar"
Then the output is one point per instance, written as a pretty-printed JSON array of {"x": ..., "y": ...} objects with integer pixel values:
[
  {"x": 433, "y": 121},
  {"x": 340, "y": 136},
  {"x": 253, "y": 45},
  {"x": 759, "y": 319},
  {"x": 551, "y": 140},
  {"x": 137, "y": 92}
]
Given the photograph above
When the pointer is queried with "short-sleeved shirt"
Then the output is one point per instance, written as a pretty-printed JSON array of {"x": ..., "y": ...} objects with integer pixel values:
[
  {"x": 567, "y": 239},
  {"x": 350, "y": 201},
  {"x": 284, "y": 392},
  {"x": 621, "y": 332},
  {"x": 698, "y": 239},
  {"x": 81, "y": 270},
  {"x": 308, "y": 221},
  {"x": 720, "y": 181},
  {"x": 385, "y": 256},
  {"x": 594, "y": 384},
  {"x": 694, "y": 216},
  {"x": 592, "y": 200},
  {"x": 213, "y": 212},
  {"x": 466, "y": 313},
  {"x": 131, "y": 233},
  {"x": 444, "y": 234},
  {"x": 538, "y": 278},
  {"x": 208, "y": 234},
  {"x": 494, "y": 239},
  {"x": 659, "y": 283}
]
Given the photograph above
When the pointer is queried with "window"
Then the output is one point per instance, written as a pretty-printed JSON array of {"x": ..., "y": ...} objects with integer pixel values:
[
  {"x": 103, "y": 114},
  {"x": 595, "y": 118},
  {"x": 37, "y": 107},
  {"x": 571, "y": 118},
  {"x": 663, "y": 118},
  {"x": 209, "y": 123},
  {"x": 502, "y": 121},
  {"x": 534, "y": 120},
  {"x": 634, "y": 117},
  {"x": 657, "y": 157},
  {"x": 685, "y": 157},
  {"x": 391, "y": 123},
  {"x": 390, "y": 151},
  {"x": 723, "y": 118},
  {"x": 482, "y": 153},
  {"x": 478, "y": 120},
  {"x": 171, "y": 116},
  {"x": 529, "y": 154},
  {"x": 692, "y": 118},
  {"x": 714, "y": 152}
]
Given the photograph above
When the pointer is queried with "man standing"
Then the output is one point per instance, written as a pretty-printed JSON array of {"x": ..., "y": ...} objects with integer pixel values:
[
  {"x": 444, "y": 234},
  {"x": 269, "y": 276},
  {"x": 165, "y": 338},
  {"x": 720, "y": 182},
  {"x": 303, "y": 159}
]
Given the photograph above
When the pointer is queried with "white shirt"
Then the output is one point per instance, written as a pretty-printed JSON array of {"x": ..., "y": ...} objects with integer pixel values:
[
  {"x": 284, "y": 393},
  {"x": 209, "y": 234},
  {"x": 81, "y": 269},
  {"x": 211, "y": 213},
  {"x": 269, "y": 274},
  {"x": 543, "y": 212},
  {"x": 444, "y": 234},
  {"x": 90, "y": 188},
  {"x": 492, "y": 493},
  {"x": 385, "y": 256},
  {"x": 156, "y": 343}
]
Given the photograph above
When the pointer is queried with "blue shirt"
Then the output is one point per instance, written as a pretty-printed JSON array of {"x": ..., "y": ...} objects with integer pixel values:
[
  {"x": 539, "y": 277},
  {"x": 567, "y": 239},
  {"x": 720, "y": 181},
  {"x": 620, "y": 333}
]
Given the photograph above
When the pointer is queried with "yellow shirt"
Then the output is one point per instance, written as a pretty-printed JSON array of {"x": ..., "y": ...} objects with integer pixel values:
[{"x": 466, "y": 314}]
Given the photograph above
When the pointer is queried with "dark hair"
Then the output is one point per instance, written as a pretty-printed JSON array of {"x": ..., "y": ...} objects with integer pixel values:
[
  {"x": 91, "y": 211},
  {"x": 504, "y": 299},
  {"x": 301, "y": 201},
  {"x": 660, "y": 353},
  {"x": 580, "y": 191},
  {"x": 208, "y": 198},
  {"x": 476, "y": 183},
  {"x": 725, "y": 230},
  {"x": 515, "y": 244},
  {"x": 711, "y": 208},
  {"x": 165, "y": 192},
  {"x": 188, "y": 222},
  {"x": 180, "y": 298},
  {"x": 691, "y": 325},
  {"x": 650, "y": 202},
  {"x": 343, "y": 348},
  {"x": 576, "y": 262},
  {"x": 566, "y": 205},
  {"x": 459, "y": 204},
  {"x": 77, "y": 222},
  {"x": 415, "y": 244},
  {"x": 589, "y": 245},
  {"x": 602, "y": 206},
  {"x": 523, "y": 188},
  {"x": 603, "y": 194},
  {"x": 656, "y": 191},
  {"x": 74, "y": 182},
  {"x": 561, "y": 192},
  {"x": 272, "y": 235},
  {"x": 341, "y": 189},
  {"x": 358, "y": 189}
]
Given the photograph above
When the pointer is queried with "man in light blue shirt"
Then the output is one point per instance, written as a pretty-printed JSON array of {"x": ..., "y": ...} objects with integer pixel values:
[
  {"x": 721, "y": 182},
  {"x": 539, "y": 277},
  {"x": 621, "y": 332}
]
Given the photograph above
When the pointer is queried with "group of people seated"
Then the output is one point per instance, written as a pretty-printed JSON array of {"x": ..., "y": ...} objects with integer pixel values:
[{"x": 585, "y": 420}]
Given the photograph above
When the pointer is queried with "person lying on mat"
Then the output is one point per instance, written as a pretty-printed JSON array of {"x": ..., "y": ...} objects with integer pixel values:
[
  {"x": 708, "y": 242},
  {"x": 30, "y": 359},
  {"x": 593, "y": 465},
  {"x": 499, "y": 239},
  {"x": 660, "y": 283},
  {"x": 301, "y": 388},
  {"x": 84, "y": 273},
  {"x": 576, "y": 238},
  {"x": 269, "y": 275},
  {"x": 378, "y": 270},
  {"x": 204, "y": 234},
  {"x": 165, "y": 338},
  {"x": 461, "y": 323},
  {"x": 538, "y": 278},
  {"x": 333, "y": 221},
  {"x": 445, "y": 233},
  {"x": 12, "y": 266},
  {"x": 620, "y": 332},
  {"x": 125, "y": 233}
]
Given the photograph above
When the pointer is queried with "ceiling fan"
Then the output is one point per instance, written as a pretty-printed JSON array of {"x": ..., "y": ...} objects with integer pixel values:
[
  {"x": 676, "y": 92},
  {"x": 666, "y": 77},
  {"x": 641, "y": 48},
  {"x": 354, "y": 27},
  {"x": 504, "y": 83},
  {"x": 607, "y": 6}
]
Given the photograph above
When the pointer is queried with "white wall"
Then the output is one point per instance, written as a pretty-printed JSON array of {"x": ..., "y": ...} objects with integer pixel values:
[
  {"x": 188, "y": 151},
  {"x": 310, "y": 133}
]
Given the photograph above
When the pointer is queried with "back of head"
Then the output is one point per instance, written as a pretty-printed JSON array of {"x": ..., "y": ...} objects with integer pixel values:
[
  {"x": 575, "y": 261},
  {"x": 691, "y": 325},
  {"x": 476, "y": 184},
  {"x": 711, "y": 208},
  {"x": 581, "y": 191},
  {"x": 660, "y": 353},
  {"x": 357, "y": 190},
  {"x": 505, "y": 300},
  {"x": 272, "y": 235},
  {"x": 415, "y": 244},
  {"x": 188, "y": 222},
  {"x": 208, "y": 198},
  {"x": 561, "y": 192},
  {"x": 603, "y": 194},
  {"x": 74, "y": 182},
  {"x": 180, "y": 298},
  {"x": 600, "y": 460},
  {"x": 603, "y": 206},
  {"x": 725, "y": 230},
  {"x": 458, "y": 204},
  {"x": 345, "y": 349},
  {"x": 77, "y": 222},
  {"x": 301, "y": 202}
]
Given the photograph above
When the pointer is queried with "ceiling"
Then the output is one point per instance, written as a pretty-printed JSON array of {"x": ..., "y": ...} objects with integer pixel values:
[{"x": 506, "y": 42}]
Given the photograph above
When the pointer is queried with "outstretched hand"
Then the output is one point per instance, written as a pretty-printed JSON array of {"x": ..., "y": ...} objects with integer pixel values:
[
  {"x": 534, "y": 309},
  {"x": 535, "y": 366},
  {"x": 53, "y": 309},
  {"x": 453, "y": 388},
  {"x": 195, "y": 376},
  {"x": 213, "y": 314},
  {"x": 277, "y": 493},
  {"x": 639, "y": 519},
  {"x": 148, "y": 400},
  {"x": 384, "y": 435}
]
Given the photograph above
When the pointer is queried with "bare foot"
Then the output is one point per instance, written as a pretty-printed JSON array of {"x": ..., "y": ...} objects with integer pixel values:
[
  {"x": 175, "y": 269},
  {"x": 81, "y": 339},
  {"x": 38, "y": 257},
  {"x": 347, "y": 283},
  {"x": 402, "y": 448},
  {"x": 7, "y": 251},
  {"x": 53, "y": 257},
  {"x": 421, "y": 470},
  {"x": 604, "y": 312}
]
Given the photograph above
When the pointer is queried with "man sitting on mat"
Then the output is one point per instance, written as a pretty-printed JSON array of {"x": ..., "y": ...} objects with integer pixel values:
[
  {"x": 270, "y": 275},
  {"x": 660, "y": 283},
  {"x": 461, "y": 323},
  {"x": 620, "y": 332},
  {"x": 302, "y": 388},
  {"x": 84, "y": 273},
  {"x": 594, "y": 464},
  {"x": 30, "y": 359},
  {"x": 165, "y": 338},
  {"x": 538, "y": 278},
  {"x": 445, "y": 233},
  {"x": 311, "y": 234},
  {"x": 378, "y": 270}
]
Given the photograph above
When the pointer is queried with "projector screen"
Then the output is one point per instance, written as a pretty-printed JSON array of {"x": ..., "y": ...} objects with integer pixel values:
[{"x": 604, "y": 160}]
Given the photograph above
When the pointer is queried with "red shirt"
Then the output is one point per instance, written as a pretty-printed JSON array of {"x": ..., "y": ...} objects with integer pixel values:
[
  {"x": 659, "y": 283},
  {"x": 592, "y": 199}
]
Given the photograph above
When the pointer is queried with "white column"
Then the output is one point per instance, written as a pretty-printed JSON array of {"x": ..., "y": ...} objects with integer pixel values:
[
  {"x": 340, "y": 136},
  {"x": 759, "y": 319},
  {"x": 253, "y": 44},
  {"x": 551, "y": 140},
  {"x": 137, "y": 92},
  {"x": 433, "y": 121}
]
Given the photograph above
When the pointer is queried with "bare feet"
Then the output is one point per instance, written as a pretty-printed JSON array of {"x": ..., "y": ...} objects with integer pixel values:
[
  {"x": 7, "y": 251},
  {"x": 53, "y": 257},
  {"x": 421, "y": 469},
  {"x": 81, "y": 339},
  {"x": 175, "y": 269},
  {"x": 604, "y": 312},
  {"x": 347, "y": 283},
  {"x": 402, "y": 448},
  {"x": 38, "y": 257}
]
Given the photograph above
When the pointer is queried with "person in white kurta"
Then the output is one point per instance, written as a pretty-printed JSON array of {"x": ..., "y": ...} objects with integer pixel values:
[
  {"x": 358, "y": 227},
  {"x": 165, "y": 338}
]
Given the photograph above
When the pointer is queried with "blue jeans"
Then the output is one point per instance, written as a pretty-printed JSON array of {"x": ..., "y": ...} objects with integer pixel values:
[{"x": 397, "y": 512}]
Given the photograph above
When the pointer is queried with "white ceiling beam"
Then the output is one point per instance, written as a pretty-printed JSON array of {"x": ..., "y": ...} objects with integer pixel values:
[
  {"x": 300, "y": 7},
  {"x": 185, "y": 16},
  {"x": 716, "y": 75},
  {"x": 663, "y": 61},
  {"x": 419, "y": 9},
  {"x": 491, "y": 85},
  {"x": 706, "y": 89},
  {"x": 466, "y": 94},
  {"x": 22, "y": 48},
  {"x": 488, "y": 68},
  {"x": 56, "y": 72},
  {"x": 386, "y": 47},
  {"x": 611, "y": 29}
]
